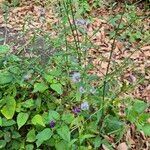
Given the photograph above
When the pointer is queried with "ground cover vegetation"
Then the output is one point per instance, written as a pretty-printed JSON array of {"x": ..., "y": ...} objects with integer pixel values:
[{"x": 74, "y": 75}]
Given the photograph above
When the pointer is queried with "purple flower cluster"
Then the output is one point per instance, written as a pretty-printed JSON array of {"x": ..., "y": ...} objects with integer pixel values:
[
  {"x": 76, "y": 77},
  {"x": 52, "y": 124},
  {"x": 83, "y": 106},
  {"x": 76, "y": 110}
]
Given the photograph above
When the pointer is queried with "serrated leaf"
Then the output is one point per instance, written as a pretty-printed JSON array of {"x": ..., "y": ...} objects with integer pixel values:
[
  {"x": 57, "y": 87},
  {"x": 38, "y": 120},
  {"x": 31, "y": 137},
  {"x": 64, "y": 133},
  {"x": 9, "y": 109},
  {"x": 40, "y": 87},
  {"x": 22, "y": 119},
  {"x": 43, "y": 136}
]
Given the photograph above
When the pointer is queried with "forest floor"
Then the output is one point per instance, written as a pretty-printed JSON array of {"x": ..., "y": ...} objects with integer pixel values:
[{"x": 24, "y": 21}]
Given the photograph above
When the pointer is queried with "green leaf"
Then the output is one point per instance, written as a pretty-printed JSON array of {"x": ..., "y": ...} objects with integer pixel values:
[
  {"x": 67, "y": 118},
  {"x": 2, "y": 144},
  {"x": 31, "y": 137},
  {"x": 5, "y": 77},
  {"x": 28, "y": 103},
  {"x": 38, "y": 120},
  {"x": 29, "y": 147},
  {"x": 146, "y": 129},
  {"x": 22, "y": 119},
  {"x": 64, "y": 133},
  {"x": 57, "y": 87},
  {"x": 49, "y": 78},
  {"x": 4, "y": 49},
  {"x": 9, "y": 109},
  {"x": 87, "y": 136},
  {"x": 62, "y": 145},
  {"x": 40, "y": 87},
  {"x": 7, "y": 123},
  {"x": 43, "y": 136},
  {"x": 15, "y": 135},
  {"x": 113, "y": 124},
  {"x": 53, "y": 115},
  {"x": 139, "y": 106},
  {"x": 1, "y": 121}
]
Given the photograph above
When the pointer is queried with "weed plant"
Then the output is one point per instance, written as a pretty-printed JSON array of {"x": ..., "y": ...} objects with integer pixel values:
[{"x": 52, "y": 102}]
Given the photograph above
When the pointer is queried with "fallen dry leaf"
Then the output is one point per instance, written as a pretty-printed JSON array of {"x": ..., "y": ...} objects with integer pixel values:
[{"x": 122, "y": 146}]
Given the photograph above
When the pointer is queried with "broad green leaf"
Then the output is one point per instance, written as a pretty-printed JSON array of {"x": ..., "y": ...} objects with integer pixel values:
[
  {"x": 38, "y": 120},
  {"x": 7, "y": 123},
  {"x": 28, "y": 103},
  {"x": 57, "y": 87},
  {"x": 2, "y": 144},
  {"x": 49, "y": 78},
  {"x": 40, "y": 87},
  {"x": 5, "y": 77},
  {"x": 67, "y": 118},
  {"x": 97, "y": 142},
  {"x": 53, "y": 115},
  {"x": 9, "y": 109},
  {"x": 62, "y": 145},
  {"x": 139, "y": 106},
  {"x": 64, "y": 133},
  {"x": 112, "y": 124},
  {"x": 43, "y": 136},
  {"x": 31, "y": 137},
  {"x": 15, "y": 135},
  {"x": 146, "y": 129},
  {"x": 4, "y": 49},
  {"x": 30, "y": 147},
  {"x": 21, "y": 119}
]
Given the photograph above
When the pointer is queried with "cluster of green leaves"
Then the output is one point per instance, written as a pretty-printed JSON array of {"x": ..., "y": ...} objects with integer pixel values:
[
  {"x": 131, "y": 28},
  {"x": 30, "y": 100}
]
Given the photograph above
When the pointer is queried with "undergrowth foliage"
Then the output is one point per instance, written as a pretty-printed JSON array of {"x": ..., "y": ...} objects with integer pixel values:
[{"x": 56, "y": 103}]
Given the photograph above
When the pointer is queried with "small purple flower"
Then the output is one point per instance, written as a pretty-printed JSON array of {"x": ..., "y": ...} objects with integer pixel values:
[
  {"x": 52, "y": 124},
  {"x": 85, "y": 106},
  {"x": 81, "y": 89},
  {"x": 76, "y": 110},
  {"x": 76, "y": 77}
]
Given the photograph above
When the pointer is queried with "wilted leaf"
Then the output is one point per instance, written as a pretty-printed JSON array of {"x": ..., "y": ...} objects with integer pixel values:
[{"x": 122, "y": 146}]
